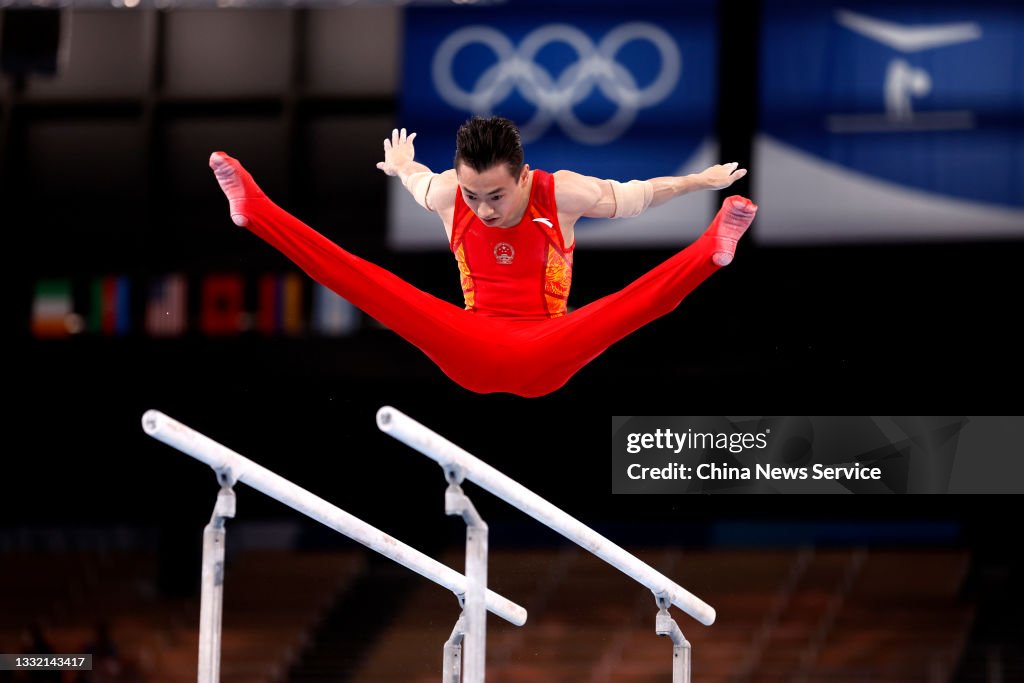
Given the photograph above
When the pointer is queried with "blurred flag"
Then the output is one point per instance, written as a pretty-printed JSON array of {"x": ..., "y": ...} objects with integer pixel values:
[
  {"x": 52, "y": 310},
  {"x": 280, "y": 305},
  {"x": 333, "y": 316},
  {"x": 222, "y": 304},
  {"x": 110, "y": 313},
  {"x": 165, "y": 306}
]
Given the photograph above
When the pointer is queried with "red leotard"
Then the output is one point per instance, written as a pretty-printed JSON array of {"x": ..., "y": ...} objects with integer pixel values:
[{"x": 494, "y": 349}]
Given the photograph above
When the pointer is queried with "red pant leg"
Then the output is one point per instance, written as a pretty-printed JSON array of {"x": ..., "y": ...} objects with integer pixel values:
[
  {"x": 552, "y": 352},
  {"x": 376, "y": 291}
]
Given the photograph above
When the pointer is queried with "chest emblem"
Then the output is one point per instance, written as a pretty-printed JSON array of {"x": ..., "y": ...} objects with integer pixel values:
[{"x": 504, "y": 253}]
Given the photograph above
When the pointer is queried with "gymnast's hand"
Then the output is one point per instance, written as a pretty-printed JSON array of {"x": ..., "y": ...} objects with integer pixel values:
[
  {"x": 721, "y": 176},
  {"x": 398, "y": 152}
]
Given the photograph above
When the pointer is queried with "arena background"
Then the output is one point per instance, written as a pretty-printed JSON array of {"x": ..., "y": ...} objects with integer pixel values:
[{"x": 109, "y": 115}]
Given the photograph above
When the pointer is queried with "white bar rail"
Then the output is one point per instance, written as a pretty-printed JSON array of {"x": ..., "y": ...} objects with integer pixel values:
[
  {"x": 402, "y": 427},
  {"x": 223, "y": 459}
]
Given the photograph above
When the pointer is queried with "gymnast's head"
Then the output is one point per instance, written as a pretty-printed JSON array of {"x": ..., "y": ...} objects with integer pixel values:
[{"x": 493, "y": 178}]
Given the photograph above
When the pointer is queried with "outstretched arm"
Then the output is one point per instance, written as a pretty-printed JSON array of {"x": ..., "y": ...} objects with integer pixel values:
[
  {"x": 717, "y": 177},
  {"x": 434, "y": 192},
  {"x": 596, "y": 198}
]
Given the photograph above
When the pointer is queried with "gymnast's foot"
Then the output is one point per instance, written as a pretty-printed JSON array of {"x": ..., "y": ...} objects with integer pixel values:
[
  {"x": 732, "y": 221},
  {"x": 236, "y": 183}
]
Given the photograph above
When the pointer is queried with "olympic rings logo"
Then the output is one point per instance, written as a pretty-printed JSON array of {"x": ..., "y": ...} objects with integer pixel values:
[{"x": 556, "y": 98}]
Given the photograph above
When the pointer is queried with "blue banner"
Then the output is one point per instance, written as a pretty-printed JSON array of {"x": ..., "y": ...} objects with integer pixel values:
[
  {"x": 598, "y": 88},
  {"x": 902, "y": 119}
]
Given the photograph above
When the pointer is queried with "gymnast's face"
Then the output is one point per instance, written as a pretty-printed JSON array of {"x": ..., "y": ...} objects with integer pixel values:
[{"x": 497, "y": 197}]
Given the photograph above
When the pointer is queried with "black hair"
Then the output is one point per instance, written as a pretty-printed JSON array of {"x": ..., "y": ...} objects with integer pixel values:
[{"x": 483, "y": 143}]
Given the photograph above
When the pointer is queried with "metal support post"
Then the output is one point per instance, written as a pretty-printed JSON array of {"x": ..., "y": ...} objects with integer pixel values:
[
  {"x": 665, "y": 625},
  {"x": 211, "y": 601},
  {"x": 452, "y": 665},
  {"x": 475, "y": 611}
]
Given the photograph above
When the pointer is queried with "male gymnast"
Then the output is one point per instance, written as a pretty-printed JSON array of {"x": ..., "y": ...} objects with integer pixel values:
[{"x": 511, "y": 229}]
